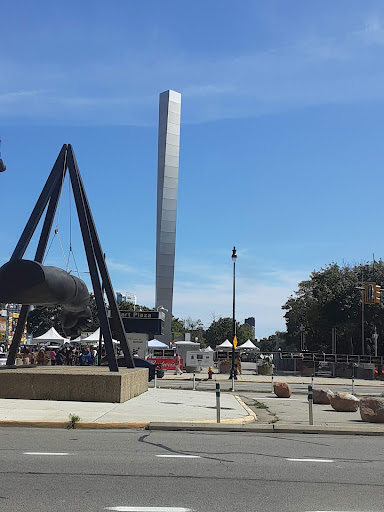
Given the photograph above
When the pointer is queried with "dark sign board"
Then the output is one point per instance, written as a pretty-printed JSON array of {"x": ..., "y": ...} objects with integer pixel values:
[
  {"x": 330, "y": 358},
  {"x": 308, "y": 356},
  {"x": 377, "y": 359},
  {"x": 353, "y": 359},
  {"x": 142, "y": 314},
  {"x": 169, "y": 352},
  {"x": 365, "y": 359},
  {"x": 318, "y": 357},
  {"x": 285, "y": 355},
  {"x": 158, "y": 352},
  {"x": 342, "y": 358},
  {"x": 297, "y": 355},
  {"x": 150, "y": 326}
]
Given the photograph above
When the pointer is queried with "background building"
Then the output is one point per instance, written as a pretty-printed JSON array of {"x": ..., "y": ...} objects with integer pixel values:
[
  {"x": 252, "y": 323},
  {"x": 126, "y": 297}
]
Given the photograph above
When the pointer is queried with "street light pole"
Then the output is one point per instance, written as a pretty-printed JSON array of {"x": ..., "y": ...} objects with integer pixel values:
[{"x": 233, "y": 373}]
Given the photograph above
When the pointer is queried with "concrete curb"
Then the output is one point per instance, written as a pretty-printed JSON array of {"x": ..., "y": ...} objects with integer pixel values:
[
  {"x": 110, "y": 425},
  {"x": 251, "y": 414},
  {"x": 269, "y": 429},
  {"x": 78, "y": 425}
]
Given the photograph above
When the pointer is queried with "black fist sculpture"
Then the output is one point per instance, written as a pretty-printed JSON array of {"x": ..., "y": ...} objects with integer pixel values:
[{"x": 29, "y": 282}]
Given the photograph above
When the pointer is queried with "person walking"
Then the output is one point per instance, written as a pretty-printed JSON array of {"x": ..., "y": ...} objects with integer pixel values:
[
  {"x": 26, "y": 355},
  {"x": 177, "y": 365},
  {"x": 88, "y": 358},
  {"x": 59, "y": 358},
  {"x": 238, "y": 365},
  {"x": 69, "y": 357},
  {"x": 41, "y": 356},
  {"x": 52, "y": 357}
]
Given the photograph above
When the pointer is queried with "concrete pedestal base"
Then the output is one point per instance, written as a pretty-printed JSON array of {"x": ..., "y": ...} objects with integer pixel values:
[{"x": 79, "y": 384}]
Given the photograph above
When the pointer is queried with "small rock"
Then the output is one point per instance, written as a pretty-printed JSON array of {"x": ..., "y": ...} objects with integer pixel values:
[
  {"x": 372, "y": 409},
  {"x": 322, "y": 396},
  {"x": 344, "y": 402},
  {"x": 282, "y": 390}
]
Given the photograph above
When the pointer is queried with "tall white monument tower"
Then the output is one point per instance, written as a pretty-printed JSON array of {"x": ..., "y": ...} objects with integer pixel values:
[{"x": 167, "y": 183}]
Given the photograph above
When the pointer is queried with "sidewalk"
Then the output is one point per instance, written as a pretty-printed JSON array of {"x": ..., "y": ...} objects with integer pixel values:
[
  {"x": 156, "y": 405},
  {"x": 176, "y": 409}
]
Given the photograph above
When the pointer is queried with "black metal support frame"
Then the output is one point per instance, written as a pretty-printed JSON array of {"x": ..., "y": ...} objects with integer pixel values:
[{"x": 96, "y": 262}]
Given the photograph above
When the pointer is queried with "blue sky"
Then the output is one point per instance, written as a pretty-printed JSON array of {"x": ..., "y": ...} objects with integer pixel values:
[{"x": 281, "y": 139}]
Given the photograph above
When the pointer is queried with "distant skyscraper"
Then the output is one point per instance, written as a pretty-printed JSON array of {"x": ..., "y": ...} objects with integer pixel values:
[
  {"x": 167, "y": 185},
  {"x": 126, "y": 297},
  {"x": 252, "y": 323}
]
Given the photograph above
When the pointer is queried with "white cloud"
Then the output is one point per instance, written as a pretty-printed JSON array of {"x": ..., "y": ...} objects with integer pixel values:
[
  {"x": 120, "y": 267},
  {"x": 204, "y": 290},
  {"x": 373, "y": 31},
  {"x": 308, "y": 71}
]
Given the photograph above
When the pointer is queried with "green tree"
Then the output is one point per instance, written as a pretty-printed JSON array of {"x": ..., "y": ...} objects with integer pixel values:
[
  {"x": 332, "y": 298},
  {"x": 128, "y": 306},
  {"x": 222, "y": 329},
  {"x": 277, "y": 341},
  {"x": 196, "y": 329},
  {"x": 177, "y": 326},
  {"x": 41, "y": 319}
]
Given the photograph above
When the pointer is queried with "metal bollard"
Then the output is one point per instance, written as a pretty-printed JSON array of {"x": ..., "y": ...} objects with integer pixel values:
[
  {"x": 233, "y": 384},
  {"x": 272, "y": 384},
  {"x": 353, "y": 385},
  {"x": 155, "y": 383},
  {"x": 310, "y": 403},
  {"x": 217, "y": 402},
  {"x": 194, "y": 381},
  {"x": 312, "y": 379}
]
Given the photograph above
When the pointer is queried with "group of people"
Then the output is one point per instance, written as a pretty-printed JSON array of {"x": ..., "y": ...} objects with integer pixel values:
[{"x": 70, "y": 356}]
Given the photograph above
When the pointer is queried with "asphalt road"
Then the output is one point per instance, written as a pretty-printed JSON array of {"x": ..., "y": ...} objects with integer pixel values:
[{"x": 142, "y": 471}]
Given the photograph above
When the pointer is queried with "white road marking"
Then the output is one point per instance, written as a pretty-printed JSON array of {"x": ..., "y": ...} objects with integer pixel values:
[
  {"x": 180, "y": 456},
  {"x": 45, "y": 453},
  {"x": 311, "y": 460},
  {"x": 150, "y": 509}
]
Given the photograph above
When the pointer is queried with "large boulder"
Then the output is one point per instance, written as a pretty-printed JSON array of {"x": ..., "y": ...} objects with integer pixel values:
[
  {"x": 372, "y": 409},
  {"x": 322, "y": 396},
  {"x": 282, "y": 390},
  {"x": 344, "y": 402}
]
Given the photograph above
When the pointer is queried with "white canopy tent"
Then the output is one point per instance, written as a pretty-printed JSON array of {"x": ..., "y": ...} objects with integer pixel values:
[
  {"x": 248, "y": 345},
  {"x": 94, "y": 337},
  {"x": 225, "y": 344},
  {"x": 156, "y": 344},
  {"x": 208, "y": 349},
  {"x": 51, "y": 337}
]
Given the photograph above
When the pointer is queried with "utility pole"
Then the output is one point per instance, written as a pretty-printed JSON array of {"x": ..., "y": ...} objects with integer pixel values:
[
  {"x": 334, "y": 337},
  {"x": 362, "y": 315},
  {"x": 374, "y": 337}
]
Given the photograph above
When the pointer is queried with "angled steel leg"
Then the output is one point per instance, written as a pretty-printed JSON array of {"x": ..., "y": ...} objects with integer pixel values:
[
  {"x": 51, "y": 192},
  {"x": 116, "y": 321},
  {"x": 85, "y": 222},
  {"x": 39, "y": 208}
]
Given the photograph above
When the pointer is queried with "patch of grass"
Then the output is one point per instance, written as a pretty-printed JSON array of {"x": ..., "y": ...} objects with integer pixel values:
[
  {"x": 73, "y": 419},
  {"x": 274, "y": 420},
  {"x": 260, "y": 405}
]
